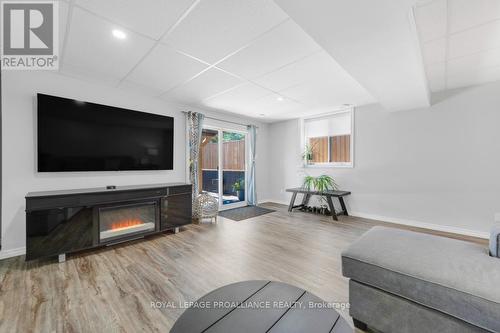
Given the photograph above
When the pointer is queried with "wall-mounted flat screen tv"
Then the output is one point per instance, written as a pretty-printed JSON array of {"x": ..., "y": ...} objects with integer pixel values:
[{"x": 81, "y": 136}]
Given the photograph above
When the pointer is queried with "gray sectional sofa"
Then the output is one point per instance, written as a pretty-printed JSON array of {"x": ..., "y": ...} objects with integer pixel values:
[{"x": 405, "y": 282}]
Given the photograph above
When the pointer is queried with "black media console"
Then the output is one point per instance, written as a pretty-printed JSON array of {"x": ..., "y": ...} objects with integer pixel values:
[{"x": 61, "y": 222}]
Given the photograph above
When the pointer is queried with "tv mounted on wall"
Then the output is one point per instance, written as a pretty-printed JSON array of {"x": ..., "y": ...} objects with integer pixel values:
[{"x": 82, "y": 136}]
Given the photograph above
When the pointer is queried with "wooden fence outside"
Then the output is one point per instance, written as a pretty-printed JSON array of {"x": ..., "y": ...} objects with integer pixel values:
[
  {"x": 233, "y": 155},
  {"x": 340, "y": 149}
]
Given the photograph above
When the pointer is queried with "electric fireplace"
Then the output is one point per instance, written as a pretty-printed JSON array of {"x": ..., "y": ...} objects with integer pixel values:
[
  {"x": 67, "y": 221},
  {"x": 122, "y": 221}
]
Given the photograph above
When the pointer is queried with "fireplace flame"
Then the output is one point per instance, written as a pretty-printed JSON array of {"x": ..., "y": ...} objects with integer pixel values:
[{"x": 125, "y": 223}]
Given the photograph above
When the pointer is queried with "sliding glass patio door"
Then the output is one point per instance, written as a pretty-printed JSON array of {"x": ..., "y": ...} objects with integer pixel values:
[
  {"x": 209, "y": 162},
  {"x": 223, "y": 166},
  {"x": 233, "y": 169}
]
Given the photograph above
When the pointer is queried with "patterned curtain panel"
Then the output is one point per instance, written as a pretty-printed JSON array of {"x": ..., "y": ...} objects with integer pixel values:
[
  {"x": 252, "y": 194},
  {"x": 194, "y": 121}
]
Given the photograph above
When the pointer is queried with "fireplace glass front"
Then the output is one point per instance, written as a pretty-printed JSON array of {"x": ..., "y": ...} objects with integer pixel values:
[{"x": 125, "y": 220}]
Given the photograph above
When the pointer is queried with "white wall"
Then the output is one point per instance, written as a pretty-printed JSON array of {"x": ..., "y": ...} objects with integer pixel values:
[
  {"x": 437, "y": 167},
  {"x": 18, "y": 128}
]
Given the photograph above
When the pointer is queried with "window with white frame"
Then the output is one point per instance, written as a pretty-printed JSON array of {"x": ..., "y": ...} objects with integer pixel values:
[{"x": 329, "y": 140}]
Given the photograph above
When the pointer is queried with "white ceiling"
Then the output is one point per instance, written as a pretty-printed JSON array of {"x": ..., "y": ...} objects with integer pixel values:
[
  {"x": 460, "y": 41},
  {"x": 375, "y": 41},
  {"x": 241, "y": 56},
  {"x": 250, "y": 57}
]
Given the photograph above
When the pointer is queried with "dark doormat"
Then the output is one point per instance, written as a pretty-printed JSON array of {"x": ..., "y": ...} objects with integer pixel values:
[{"x": 243, "y": 213}]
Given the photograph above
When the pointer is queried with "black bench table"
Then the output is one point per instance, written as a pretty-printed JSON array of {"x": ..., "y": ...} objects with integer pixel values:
[
  {"x": 327, "y": 194},
  {"x": 259, "y": 307}
]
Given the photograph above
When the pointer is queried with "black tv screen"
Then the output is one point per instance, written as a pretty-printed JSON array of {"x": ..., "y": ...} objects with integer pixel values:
[{"x": 81, "y": 136}]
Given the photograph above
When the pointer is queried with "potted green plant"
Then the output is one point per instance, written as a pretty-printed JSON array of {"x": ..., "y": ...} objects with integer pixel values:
[
  {"x": 239, "y": 188},
  {"x": 307, "y": 155},
  {"x": 308, "y": 182},
  {"x": 321, "y": 183}
]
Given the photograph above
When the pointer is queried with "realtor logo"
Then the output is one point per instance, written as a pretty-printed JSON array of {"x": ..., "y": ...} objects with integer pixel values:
[{"x": 30, "y": 35}]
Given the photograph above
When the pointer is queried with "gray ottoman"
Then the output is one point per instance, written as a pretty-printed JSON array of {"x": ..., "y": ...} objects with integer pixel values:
[{"x": 404, "y": 281}]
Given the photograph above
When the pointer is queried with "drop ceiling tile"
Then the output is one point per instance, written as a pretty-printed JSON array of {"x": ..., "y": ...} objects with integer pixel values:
[
  {"x": 480, "y": 76},
  {"x": 318, "y": 69},
  {"x": 304, "y": 112},
  {"x": 465, "y": 14},
  {"x": 264, "y": 106},
  {"x": 63, "y": 20},
  {"x": 273, "y": 104},
  {"x": 149, "y": 17},
  {"x": 281, "y": 46},
  {"x": 434, "y": 51},
  {"x": 329, "y": 91},
  {"x": 207, "y": 84},
  {"x": 215, "y": 28},
  {"x": 164, "y": 68},
  {"x": 431, "y": 20},
  {"x": 307, "y": 69},
  {"x": 238, "y": 98},
  {"x": 436, "y": 76},
  {"x": 485, "y": 37},
  {"x": 91, "y": 46},
  {"x": 88, "y": 75},
  {"x": 468, "y": 65}
]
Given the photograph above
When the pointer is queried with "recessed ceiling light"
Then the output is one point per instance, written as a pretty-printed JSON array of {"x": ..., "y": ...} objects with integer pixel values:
[
  {"x": 119, "y": 34},
  {"x": 280, "y": 99}
]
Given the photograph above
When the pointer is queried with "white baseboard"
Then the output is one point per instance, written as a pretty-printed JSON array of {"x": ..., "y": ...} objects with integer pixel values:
[
  {"x": 423, "y": 225},
  {"x": 4, "y": 254},
  {"x": 411, "y": 223}
]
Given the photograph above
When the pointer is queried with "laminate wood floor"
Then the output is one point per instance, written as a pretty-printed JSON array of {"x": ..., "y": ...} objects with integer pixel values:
[{"x": 112, "y": 289}]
